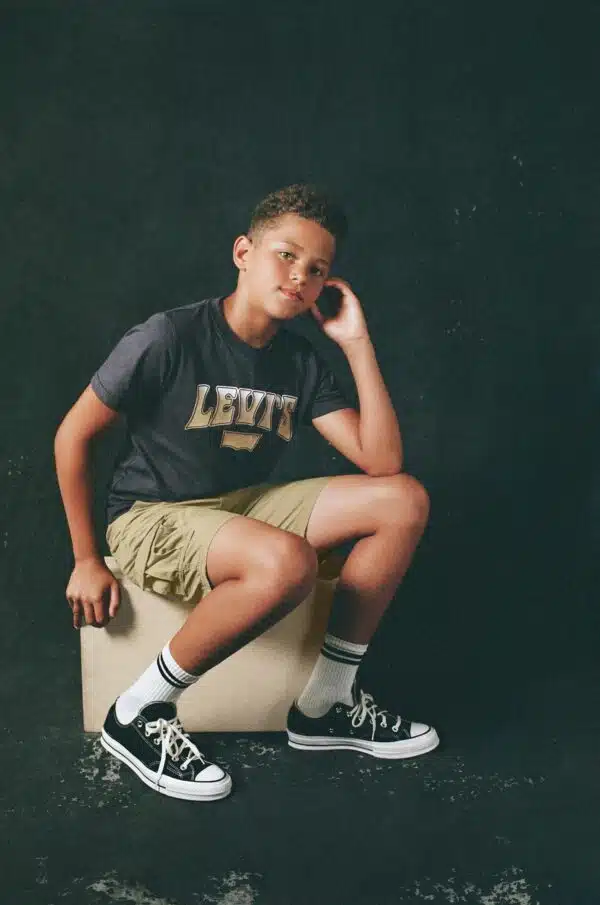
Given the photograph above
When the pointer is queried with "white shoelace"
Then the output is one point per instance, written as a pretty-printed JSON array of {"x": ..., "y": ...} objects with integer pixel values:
[
  {"x": 175, "y": 741},
  {"x": 367, "y": 707}
]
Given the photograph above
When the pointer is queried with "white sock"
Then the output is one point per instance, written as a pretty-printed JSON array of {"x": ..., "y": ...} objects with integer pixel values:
[
  {"x": 333, "y": 675},
  {"x": 164, "y": 680}
]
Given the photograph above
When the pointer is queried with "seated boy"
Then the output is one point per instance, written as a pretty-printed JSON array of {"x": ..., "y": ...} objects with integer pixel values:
[{"x": 212, "y": 393}]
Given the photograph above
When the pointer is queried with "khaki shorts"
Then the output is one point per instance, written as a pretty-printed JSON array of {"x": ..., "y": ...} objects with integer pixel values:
[{"x": 162, "y": 547}]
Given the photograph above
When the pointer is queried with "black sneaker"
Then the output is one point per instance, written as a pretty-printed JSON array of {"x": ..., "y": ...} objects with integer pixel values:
[
  {"x": 157, "y": 748},
  {"x": 361, "y": 726}
]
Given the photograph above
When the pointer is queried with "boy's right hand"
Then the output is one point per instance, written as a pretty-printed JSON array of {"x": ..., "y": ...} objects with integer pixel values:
[{"x": 93, "y": 593}]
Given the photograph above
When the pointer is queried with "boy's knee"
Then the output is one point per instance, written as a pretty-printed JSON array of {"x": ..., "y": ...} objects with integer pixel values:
[
  {"x": 406, "y": 499},
  {"x": 289, "y": 563}
]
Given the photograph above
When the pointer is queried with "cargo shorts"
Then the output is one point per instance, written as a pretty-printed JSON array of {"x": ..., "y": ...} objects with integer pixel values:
[{"x": 162, "y": 546}]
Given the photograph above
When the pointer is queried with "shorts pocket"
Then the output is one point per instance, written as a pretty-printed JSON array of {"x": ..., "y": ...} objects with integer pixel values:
[{"x": 161, "y": 568}]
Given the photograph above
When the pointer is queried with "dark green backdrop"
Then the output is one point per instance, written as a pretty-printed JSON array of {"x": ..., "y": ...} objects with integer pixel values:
[{"x": 463, "y": 140}]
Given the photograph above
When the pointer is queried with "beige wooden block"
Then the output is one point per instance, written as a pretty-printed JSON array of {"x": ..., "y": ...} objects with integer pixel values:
[{"x": 250, "y": 691}]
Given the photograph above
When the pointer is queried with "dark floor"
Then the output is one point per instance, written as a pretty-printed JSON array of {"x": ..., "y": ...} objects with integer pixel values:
[{"x": 504, "y": 813}]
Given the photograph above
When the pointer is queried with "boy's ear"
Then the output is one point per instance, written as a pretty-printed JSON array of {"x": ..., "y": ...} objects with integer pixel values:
[{"x": 241, "y": 248}]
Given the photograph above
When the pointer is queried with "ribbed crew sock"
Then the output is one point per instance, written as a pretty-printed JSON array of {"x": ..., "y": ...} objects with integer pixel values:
[
  {"x": 164, "y": 680},
  {"x": 333, "y": 675}
]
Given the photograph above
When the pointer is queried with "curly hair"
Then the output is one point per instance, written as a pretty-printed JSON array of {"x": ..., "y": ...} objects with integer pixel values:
[{"x": 307, "y": 201}]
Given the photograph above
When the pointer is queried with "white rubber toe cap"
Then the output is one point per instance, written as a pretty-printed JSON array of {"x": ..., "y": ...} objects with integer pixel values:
[
  {"x": 417, "y": 729},
  {"x": 212, "y": 773}
]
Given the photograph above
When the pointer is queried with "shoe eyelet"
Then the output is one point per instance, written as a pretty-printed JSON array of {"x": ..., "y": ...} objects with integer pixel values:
[
  {"x": 156, "y": 742},
  {"x": 139, "y": 722}
]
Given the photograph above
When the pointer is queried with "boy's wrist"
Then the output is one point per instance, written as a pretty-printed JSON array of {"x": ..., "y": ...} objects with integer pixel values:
[{"x": 88, "y": 557}]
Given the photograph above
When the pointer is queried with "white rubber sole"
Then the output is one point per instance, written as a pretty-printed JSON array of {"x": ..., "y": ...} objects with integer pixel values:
[
  {"x": 412, "y": 747},
  {"x": 174, "y": 788}
]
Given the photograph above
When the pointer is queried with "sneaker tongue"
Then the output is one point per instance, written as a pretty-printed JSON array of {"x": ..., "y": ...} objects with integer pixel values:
[{"x": 159, "y": 709}]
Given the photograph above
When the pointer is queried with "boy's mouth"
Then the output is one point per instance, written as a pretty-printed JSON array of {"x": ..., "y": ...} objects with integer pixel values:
[{"x": 291, "y": 294}]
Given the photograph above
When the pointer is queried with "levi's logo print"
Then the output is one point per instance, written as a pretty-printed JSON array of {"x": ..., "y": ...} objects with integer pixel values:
[{"x": 242, "y": 407}]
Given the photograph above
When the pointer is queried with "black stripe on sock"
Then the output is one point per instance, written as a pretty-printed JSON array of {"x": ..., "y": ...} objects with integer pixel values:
[
  {"x": 334, "y": 649},
  {"x": 341, "y": 656},
  {"x": 167, "y": 674},
  {"x": 339, "y": 659}
]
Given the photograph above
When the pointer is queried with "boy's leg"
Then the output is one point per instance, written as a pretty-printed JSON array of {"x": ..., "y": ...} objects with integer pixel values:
[
  {"x": 387, "y": 516},
  {"x": 258, "y": 574}
]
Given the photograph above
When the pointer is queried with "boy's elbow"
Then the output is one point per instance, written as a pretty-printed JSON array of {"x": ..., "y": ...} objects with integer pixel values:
[{"x": 386, "y": 470}]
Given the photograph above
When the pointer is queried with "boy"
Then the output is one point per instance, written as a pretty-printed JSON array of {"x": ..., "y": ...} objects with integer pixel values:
[{"x": 212, "y": 392}]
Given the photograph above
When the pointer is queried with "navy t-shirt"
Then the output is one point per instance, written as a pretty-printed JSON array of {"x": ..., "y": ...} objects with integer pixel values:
[{"x": 206, "y": 413}]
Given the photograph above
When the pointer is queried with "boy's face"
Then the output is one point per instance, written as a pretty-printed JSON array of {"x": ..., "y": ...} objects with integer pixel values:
[{"x": 294, "y": 254}]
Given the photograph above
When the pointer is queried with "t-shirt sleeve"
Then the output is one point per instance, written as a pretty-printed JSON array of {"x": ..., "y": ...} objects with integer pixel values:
[
  {"x": 130, "y": 379},
  {"x": 327, "y": 395}
]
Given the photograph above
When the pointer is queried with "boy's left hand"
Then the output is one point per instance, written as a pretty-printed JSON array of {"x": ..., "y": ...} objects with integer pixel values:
[{"x": 349, "y": 324}]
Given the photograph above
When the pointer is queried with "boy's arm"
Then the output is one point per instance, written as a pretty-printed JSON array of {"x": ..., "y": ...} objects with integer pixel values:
[
  {"x": 88, "y": 417},
  {"x": 130, "y": 377},
  {"x": 371, "y": 439}
]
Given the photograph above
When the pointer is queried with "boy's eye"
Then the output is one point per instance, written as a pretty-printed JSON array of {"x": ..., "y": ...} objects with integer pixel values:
[{"x": 316, "y": 270}]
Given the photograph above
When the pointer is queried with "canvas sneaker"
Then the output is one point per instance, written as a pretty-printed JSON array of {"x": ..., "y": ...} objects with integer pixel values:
[
  {"x": 159, "y": 751},
  {"x": 361, "y": 726}
]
